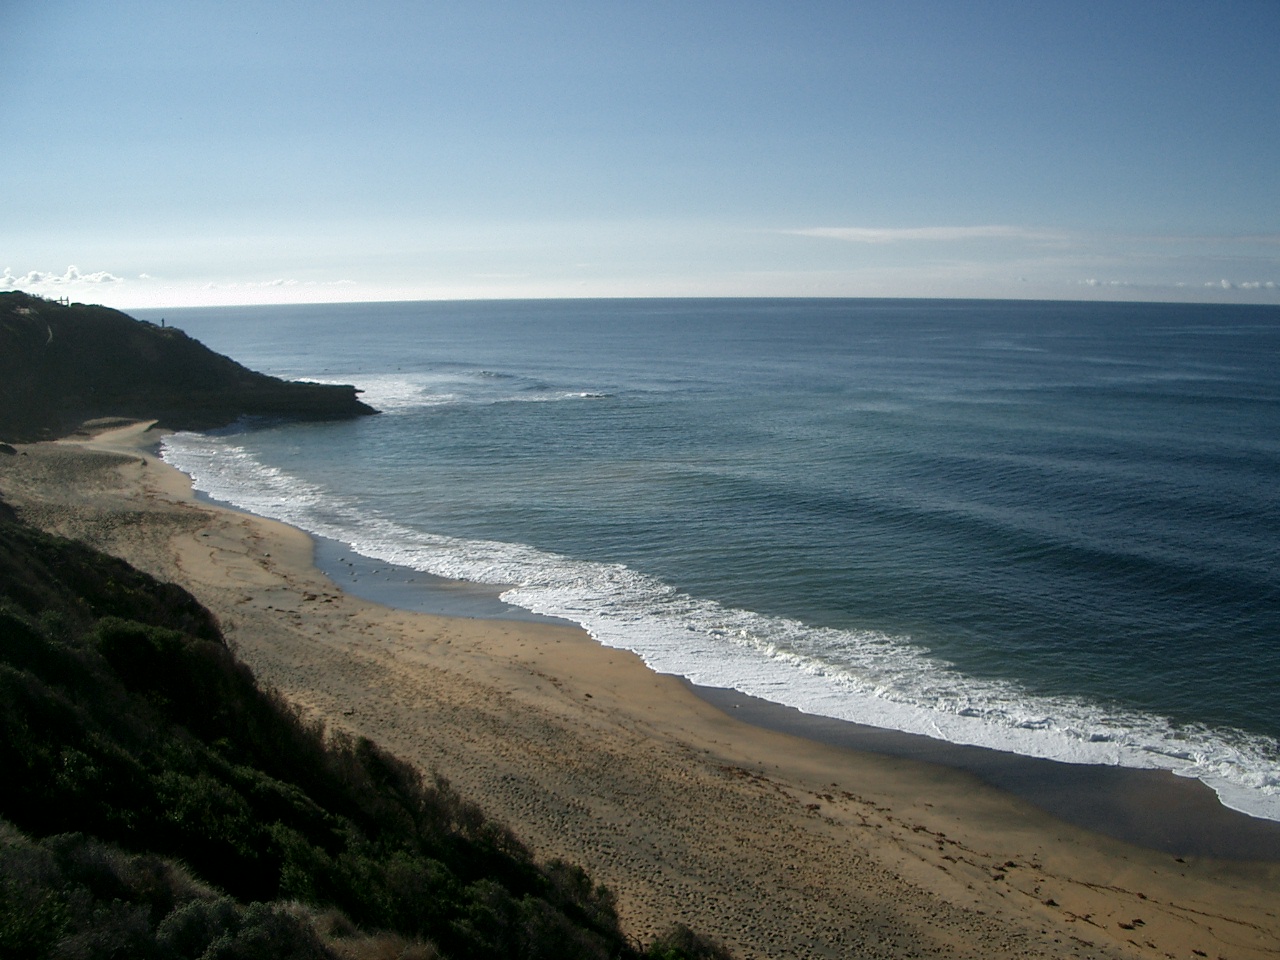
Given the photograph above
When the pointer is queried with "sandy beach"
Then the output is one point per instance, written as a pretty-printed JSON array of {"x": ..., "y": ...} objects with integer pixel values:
[{"x": 778, "y": 845}]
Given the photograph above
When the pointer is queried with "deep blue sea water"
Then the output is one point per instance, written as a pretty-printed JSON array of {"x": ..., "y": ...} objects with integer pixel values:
[{"x": 1050, "y": 528}]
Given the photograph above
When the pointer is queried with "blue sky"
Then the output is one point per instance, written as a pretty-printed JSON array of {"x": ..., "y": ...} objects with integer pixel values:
[{"x": 162, "y": 153}]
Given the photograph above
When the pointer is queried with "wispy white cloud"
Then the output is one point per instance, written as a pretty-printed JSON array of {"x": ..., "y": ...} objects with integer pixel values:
[
  {"x": 290, "y": 282},
  {"x": 1242, "y": 285},
  {"x": 1272, "y": 239},
  {"x": 932, "y": 234},
  {"x": 1183, "y": 284},
  {"x": 268, "y": 284},
  {"x": 39, "y": 279},
  {"x": 1262, "y": 239}
]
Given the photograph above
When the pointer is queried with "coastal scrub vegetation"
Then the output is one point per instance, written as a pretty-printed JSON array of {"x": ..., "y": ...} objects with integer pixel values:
[{"x": 158, "y": 803}]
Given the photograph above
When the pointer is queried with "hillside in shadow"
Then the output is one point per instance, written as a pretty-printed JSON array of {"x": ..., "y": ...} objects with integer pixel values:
[
  {"x": 61, "y": 365},
  {"x": 158, "y": 803}
]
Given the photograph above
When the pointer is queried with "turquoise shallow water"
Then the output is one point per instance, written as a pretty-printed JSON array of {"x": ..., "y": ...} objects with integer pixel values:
[{"x": 1047, "y": 528}]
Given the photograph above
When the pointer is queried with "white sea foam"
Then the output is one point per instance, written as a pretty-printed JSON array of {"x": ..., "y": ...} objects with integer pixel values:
[
  {"x": 862, "y": 676},
  {"x": 402, "y": 392},
  {"x": 397, "y": 392}
]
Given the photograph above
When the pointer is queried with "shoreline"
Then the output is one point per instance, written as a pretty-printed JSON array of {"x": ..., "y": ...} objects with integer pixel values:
[
  {"x": 1153, "y": 809},
  {"x": 779, "y": 845},
  {"x": 1110, "y": 800}
]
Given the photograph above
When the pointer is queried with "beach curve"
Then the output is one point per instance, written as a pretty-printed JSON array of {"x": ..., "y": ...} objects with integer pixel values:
[{"x": 779, "y": 846}]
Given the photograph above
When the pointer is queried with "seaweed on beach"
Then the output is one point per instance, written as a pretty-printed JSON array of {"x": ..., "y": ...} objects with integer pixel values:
[{"x": 159, "y": 803}]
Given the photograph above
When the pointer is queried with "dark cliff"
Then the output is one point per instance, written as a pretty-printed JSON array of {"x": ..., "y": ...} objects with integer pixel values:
[{"x": 61, "y": 365}]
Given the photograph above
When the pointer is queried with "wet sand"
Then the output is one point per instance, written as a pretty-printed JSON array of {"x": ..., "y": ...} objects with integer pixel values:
[{"x": 780, "y": 845}]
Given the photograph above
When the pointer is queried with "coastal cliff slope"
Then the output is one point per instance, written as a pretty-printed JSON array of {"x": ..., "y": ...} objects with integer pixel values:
[
  {"x": 63, "y": 364},
  {"x": 159, "y": 803}
]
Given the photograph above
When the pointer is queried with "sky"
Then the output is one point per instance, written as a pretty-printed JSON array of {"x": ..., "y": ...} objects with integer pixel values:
[{"x": 155, "y": 153}]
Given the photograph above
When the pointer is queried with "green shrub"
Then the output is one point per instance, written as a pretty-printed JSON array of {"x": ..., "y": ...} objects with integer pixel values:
[
  {"x": 681, "y": 943},
  {"x": 131, "y": 738}
]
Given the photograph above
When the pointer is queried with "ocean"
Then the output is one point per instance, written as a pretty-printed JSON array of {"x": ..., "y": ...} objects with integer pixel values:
[{"x": 1045, "y": 528}]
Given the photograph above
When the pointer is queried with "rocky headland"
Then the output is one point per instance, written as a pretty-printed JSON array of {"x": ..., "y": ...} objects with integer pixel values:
[{"x": 63, "y": 364}]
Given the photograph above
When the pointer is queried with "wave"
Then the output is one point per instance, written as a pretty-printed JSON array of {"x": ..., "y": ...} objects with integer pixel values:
[
  {"x": 401, "y": 393},
  {"x": 858, "y": 675}
]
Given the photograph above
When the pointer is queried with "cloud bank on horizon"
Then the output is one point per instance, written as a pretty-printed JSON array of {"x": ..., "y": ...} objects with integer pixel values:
[
  {"x": 36, "y": 281},
  {"x": 209, "y": 153},
  {"x": 895, "y": 234}
]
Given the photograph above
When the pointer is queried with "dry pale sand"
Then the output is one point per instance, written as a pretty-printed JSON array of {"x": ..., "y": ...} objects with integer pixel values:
[{"x": 778, "y": 846}]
